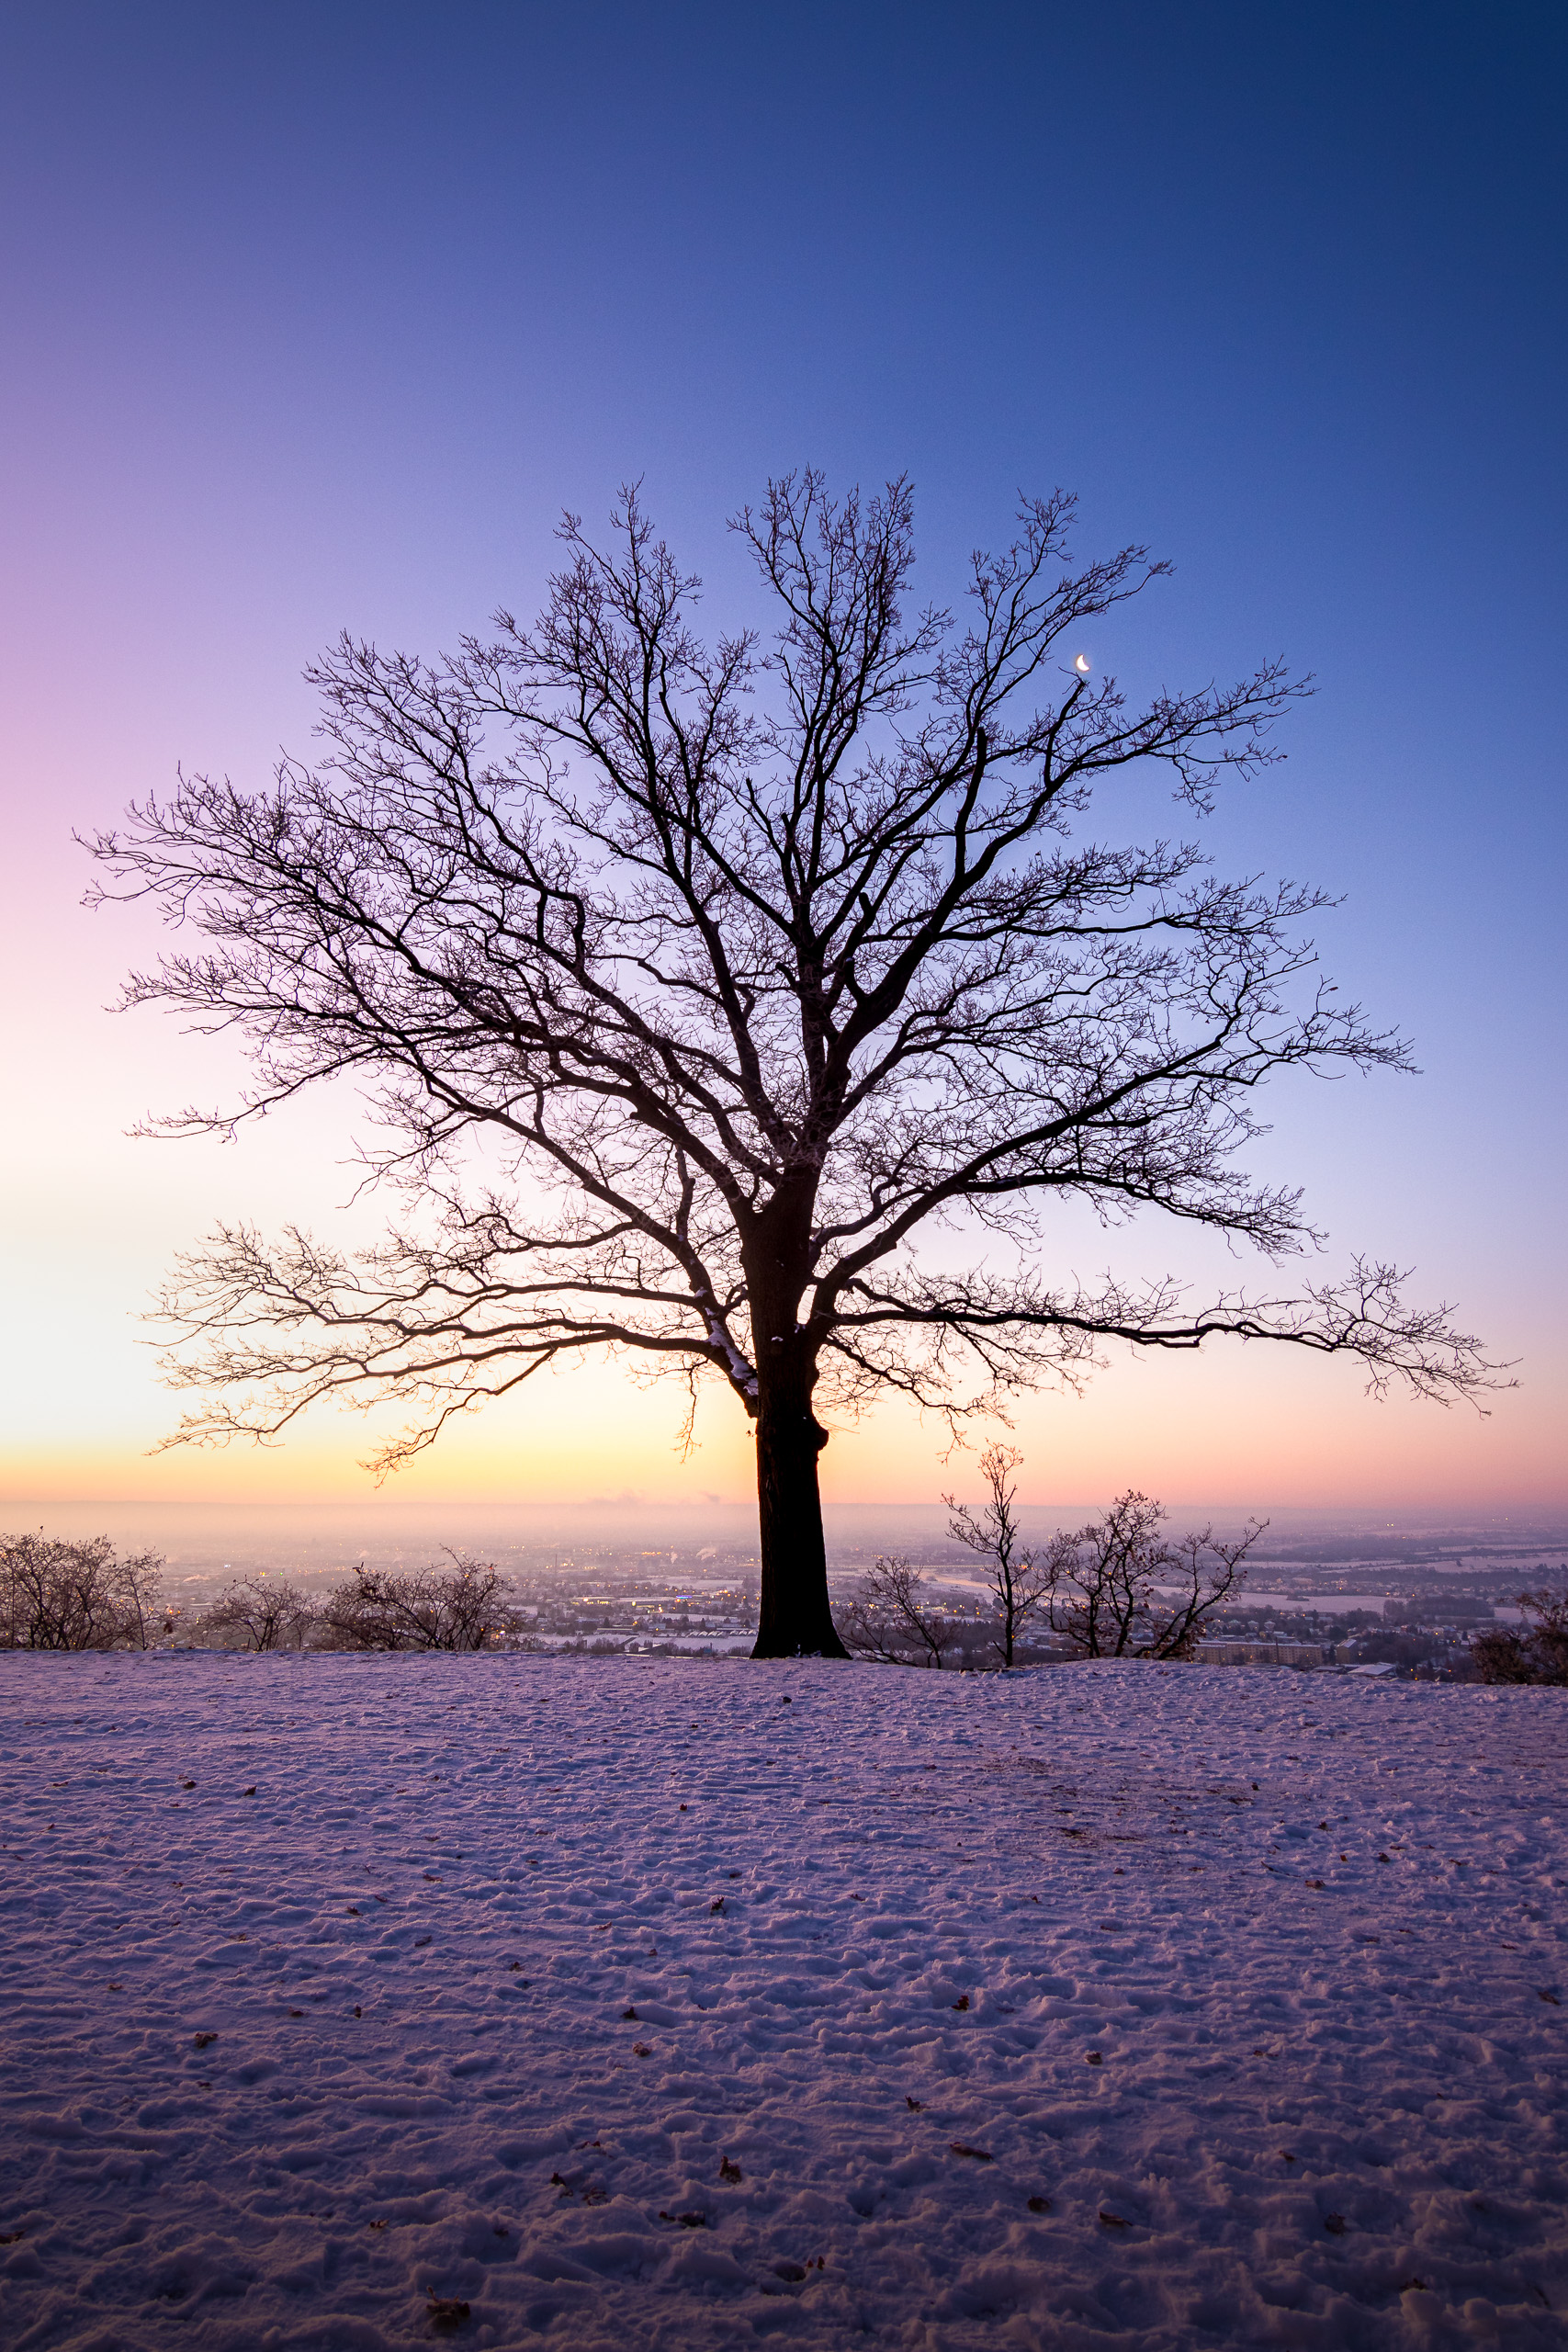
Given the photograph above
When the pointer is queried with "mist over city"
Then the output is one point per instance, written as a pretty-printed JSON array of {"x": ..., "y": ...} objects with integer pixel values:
[{"x": 620, "y": 1577}]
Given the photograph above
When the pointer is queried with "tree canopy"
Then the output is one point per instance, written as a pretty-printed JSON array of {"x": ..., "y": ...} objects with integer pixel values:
[{"x": 696, "y": 981}]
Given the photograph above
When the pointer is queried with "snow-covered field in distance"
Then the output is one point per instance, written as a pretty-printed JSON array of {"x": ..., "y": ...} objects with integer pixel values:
[{"x": 1106, "y": 2006}]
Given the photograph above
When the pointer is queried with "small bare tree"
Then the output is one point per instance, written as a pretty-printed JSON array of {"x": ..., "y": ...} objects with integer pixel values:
[
  {"x": 63, "y": 1596},
  {"x": 1536, "y": 1651},
  {"x": 890, "y": 1618},
  {"x": 145, "y": 1613},
  {"x": 1119, "y": 1588},
  {"x": 434, "y": 1609},
  {"x": 269, "y": 1612},
  {"x": 1019, "y": 1578}
]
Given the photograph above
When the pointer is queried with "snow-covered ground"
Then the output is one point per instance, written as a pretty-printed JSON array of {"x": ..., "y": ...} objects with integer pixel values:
[{"x": 1096, "y": 2006}]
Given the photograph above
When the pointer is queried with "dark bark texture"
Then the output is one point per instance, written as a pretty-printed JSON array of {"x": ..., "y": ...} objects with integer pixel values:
[
  {"x": 795, "y": 1619},
  {"x": 695, "y": 981}
]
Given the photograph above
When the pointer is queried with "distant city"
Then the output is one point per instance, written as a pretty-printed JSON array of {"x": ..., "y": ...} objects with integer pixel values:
[{"x": 1325, "y": 1590}]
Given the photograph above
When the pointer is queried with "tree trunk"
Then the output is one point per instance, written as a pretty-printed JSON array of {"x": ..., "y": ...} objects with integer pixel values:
[{"x": 794, "y": 1619}]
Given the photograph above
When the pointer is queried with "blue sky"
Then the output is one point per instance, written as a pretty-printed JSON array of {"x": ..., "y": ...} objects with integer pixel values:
[{"x": 317, "y": 317}]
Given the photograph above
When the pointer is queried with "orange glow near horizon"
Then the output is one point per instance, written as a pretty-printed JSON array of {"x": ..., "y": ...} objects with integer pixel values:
[
  {"x": 97, "y": 1221},
  {"x": 1249, "y": 1426},
  {"x": 1216, "y": 1431}
]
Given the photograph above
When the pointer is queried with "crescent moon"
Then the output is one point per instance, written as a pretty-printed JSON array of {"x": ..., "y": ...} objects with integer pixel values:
[{"x": 1081, "y": 665}]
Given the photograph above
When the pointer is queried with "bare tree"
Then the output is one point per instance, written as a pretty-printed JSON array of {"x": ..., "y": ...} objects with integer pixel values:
[
  {"x": 1536, "y": 1651},
  {"x": 694, "y": 983},
  {"x": 890, "y": 1618},
  {"x": 145, "y": 1612},
  {"x": 457, "y": 1608},
  {"x": 1121, "y": 1590},
  {"x": 1019, "y": 1578},
  {"x": 79, "y": 1596},
  {"x": 269, "y": 1611}
]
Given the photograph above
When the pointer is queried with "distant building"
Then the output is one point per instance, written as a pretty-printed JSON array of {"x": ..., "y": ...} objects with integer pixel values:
[{"x": 1263, "y": 1653}]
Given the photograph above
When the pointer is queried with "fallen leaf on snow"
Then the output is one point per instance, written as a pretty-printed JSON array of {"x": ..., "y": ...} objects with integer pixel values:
[
  {"x": 728, "y": 2169},
  {"x": 642, "y": 2050},
  {"x": 917, "y": 2104},
  {"x": 202, "y": 2040},
  {"x": 1113, "y": 2220},
  {"x": 1335, "y": 2224},
  {"x": 1040, "y": 2204},
  {"x": 447, "y": 2310},
  {"x": 981, "y": 2155},
  {"x": 961, "y": 2002}
]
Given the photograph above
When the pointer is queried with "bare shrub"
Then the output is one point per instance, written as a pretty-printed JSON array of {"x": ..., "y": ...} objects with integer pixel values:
[
  {"x": 268, "y": 1612},
  {"x": 891, "y": 1618},
  {"x": 1111, "y": 1582},
  {"x": 1536, "y": 1651},
  {"x": 431, "y": 1609},
  {"x": 79, "y": 1596},
  {"x": 1019, "y": 1578}
]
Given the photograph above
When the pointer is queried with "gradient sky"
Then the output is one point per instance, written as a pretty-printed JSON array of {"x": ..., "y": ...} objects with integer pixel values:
[{"x": 316, "y": 317}]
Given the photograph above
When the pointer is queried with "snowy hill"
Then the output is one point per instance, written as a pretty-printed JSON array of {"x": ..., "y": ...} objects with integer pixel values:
[{"x": 1095, "y": 2006}]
